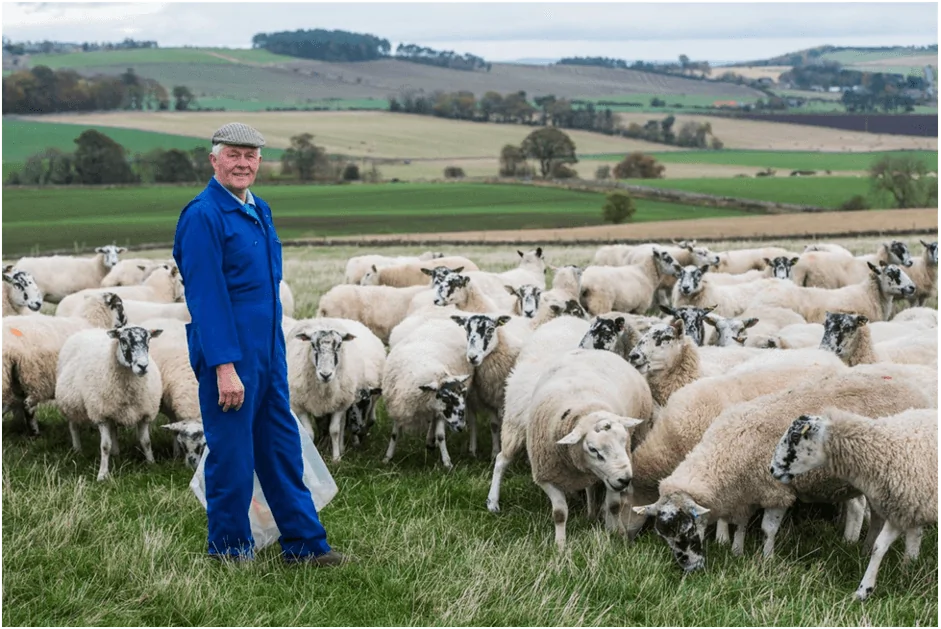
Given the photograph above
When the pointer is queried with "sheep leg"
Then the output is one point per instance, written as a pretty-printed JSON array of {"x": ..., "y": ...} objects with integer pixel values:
[
  {"x": 105, "y": 450},
  {"x": 591, "y": 502},
  {"x": 29, "y": 413},
  {"x": 912, "y": 544},
  {"x": 396, "y": 433},
  {"x": 722, "y": 531},
  {"x": 560, "y": 511},
  {"x": 442, "y": 444},
  {"x": 113, "y": 430},
  {"x": 76, "y": 439},
  {"x": 495, "y": 425},
  {"x": 612, "y": 510},
  {"x": 888, "y": 535},
  {"x": 738, "y": 540},
  {"x": 430, "y": 437},
  {"x": 854, "y": 510},
  {"x": 770, "y": 523},
  {"x": 875, "y": 525},
  {"x": 305, "y": 422},
  {"x": 472, "y": 430},
  {"x": 503, "y": 461},
  {"x": 336, "y": 434},
  {"x": 143, "y": 435}
]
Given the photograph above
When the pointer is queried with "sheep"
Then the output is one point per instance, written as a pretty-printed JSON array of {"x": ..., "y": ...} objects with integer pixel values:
[
  {"x": 425, "y": 385},
  {"x": 781, "y": 266},
  {"x": 848, "y": 336},
  {"x": 104, "y": 377},
  {"x": 821, "y": 269},
  {"x": 693, "y": 321},
  {"x": 566, "y": 283},
  {"x": 763, "y": 322},
  {"x": 924, "y": 273},
  {"x": 872, "y": 297},
  {"x": 31, "y": 345},
  {"x": 58, "y": 276},
  {"x": 794, "y": 336},
  {"x": 138, "y": 311},
  {"x": 629, "y": 288},
  {"x": 892, "y": 460},
  {"x": 584, "y": 408},
  {"x": 679, "y": 425},
  {"x": 683, "y": 253},
  {"x": 361, "y": 415},
  {"x": 379, "y": 308},
  {"x": 611, "y": 255},
  {"x": 727, "y": 477},
  {"x": 531, "y": 270},
  {"x": 527, "y": 299},
  {"x": 21, "y": 294},
  {"x": 472, "y": 292},
  {"x": 129, "y": 272},
  {"x": 828, "y": 247},
  {"x": 287, "y": 299},
  {"x": 926, "y": 316},
  {"x": 738, "y": 261},
  {"x": 694, "y": 287},
  {"x": 163, "y": 285},
  {"x": 358, "y": 266},
  {"x": 412, "y": 273}
]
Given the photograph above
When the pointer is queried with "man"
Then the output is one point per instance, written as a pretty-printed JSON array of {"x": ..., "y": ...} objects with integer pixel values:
[{"x": 230, "y": 261}]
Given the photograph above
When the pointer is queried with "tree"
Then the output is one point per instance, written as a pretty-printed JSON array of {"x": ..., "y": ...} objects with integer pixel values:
[
  {"x": 637, "y": 165},
  {"x": 183, "y": 96},
  {"x": 549, "y": 146},
  {"x": 351, "y": 172},
  {"x": 174, "y": 166},
  {"x": 453, "y": 172},
  {"x": 512, "y": 161},
  {"x": 907, "y": 180},
  {"x": 303, "y": 157},
  {"x": 201, "y": 164},
  {"x": 603, "y": 172},
  {"x": 618, "y": 207},
  {"x": 101, "y": 160}
]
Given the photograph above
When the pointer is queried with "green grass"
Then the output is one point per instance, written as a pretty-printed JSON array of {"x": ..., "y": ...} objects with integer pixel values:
[
  {"x": 794, "y": 160},
  {"x": 850, "y": 57},
  {"x": 58, "y": 218},
  {"x": 159, "y": 55},
  {"x": 236, "y": 104}
]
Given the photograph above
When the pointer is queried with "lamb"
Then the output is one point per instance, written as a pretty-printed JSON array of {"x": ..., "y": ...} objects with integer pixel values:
[
  {"x": 129, "y": 272},
  {"x": 358, "y": 266},
  {"x": 58, "y": 276},
  {"x": 762, "y": 322},
  {"x": 823, "y": 269},
  {"x": 412, "y": 273},
  {"x": 139, "y": 311},
  {"x": 848, "y": 336},
  {"x": 583, "y": 410},
  {"x": 694, "y": 287},
  {"x": 379, "y": 308},
  {"x": 892, "y": 460},
  {"x": 104, "y": 377},
  {"x": 361, "y": 416},
  {"x": 628, "y": 288},
  {"x": 531, "y": 270},
  {"x": 31, "y": 346},
  {"x": 739, "y": 261},
  {"x": 872, "y": 297},
  {"x": 924, "y": 273},
  {"x": 163, "y": 285},
  {"x": 425, "y": 385},
  {"x": 727, "y": 477},
  {"x": 21, "y": 294}
]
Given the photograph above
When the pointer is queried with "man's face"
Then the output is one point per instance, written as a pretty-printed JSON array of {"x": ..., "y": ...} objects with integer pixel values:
[{"x": 236, "y": 166}]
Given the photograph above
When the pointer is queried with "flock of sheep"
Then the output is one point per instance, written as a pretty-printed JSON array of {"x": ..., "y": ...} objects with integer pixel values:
[{"x": 680, "y": 386}]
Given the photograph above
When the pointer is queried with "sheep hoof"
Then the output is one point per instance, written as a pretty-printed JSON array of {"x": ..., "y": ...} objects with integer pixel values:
[{"x": 493, "y": 506}]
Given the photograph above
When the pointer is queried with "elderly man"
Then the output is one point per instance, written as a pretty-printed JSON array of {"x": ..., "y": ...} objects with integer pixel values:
[{"x": 230, "y": 260}]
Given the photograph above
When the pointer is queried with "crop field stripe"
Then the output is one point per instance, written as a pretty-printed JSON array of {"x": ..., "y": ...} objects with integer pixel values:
[{"x": 797, "y": 160}]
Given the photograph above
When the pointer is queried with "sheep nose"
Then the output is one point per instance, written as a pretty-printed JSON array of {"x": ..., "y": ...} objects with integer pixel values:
[{"x": 625, "y": 481}]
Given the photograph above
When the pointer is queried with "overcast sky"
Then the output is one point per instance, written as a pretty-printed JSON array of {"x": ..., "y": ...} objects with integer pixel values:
[{"x": 500, "y": 31}]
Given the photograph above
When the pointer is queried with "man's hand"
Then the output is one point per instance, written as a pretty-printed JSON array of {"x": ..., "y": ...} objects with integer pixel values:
[{"x": 231, "y": 390}]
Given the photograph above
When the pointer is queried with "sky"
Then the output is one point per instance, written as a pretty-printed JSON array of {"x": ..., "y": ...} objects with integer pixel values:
[{"x": 717, "y": 32}]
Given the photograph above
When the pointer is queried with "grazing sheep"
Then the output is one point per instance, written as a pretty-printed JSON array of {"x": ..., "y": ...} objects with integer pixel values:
[
  {"x": 425, "y": 385},
  {"x": 694, "y": 287},
  {"x": 412, "y": 273},
  {"x": 737, "y": 261},
  {"x": 924, "y": 273},
  {"x": 822, "y": 269},
  {"x": 379, "y": 308},
  {"x": 163, "y": 285},
  {"x": 892, "y": 460},
  {"x": 873, "y": 296},
  {"x": 848, "y": 336},
  {"x": 582, "y": 412},
  {"x": 727, "y": 477},
  {"x": 189, "y": 441},
  {"x": 527, "y": 299},
  {"x": 21, "y": 294},
  {"x": 58, "y": 276},
  {"x": 129, "y": 272},
  {"x": 357, "y": 266},
  {"x": 31, "y": 345},
  {"x": 104, "y": 377}
]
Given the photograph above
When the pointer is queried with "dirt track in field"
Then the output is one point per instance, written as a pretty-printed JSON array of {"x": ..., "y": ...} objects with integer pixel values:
[{"x": 807, "y": 225}]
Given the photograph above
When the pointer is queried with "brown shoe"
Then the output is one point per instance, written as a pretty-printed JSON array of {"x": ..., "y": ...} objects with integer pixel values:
[{"x": 327, "y": 560}]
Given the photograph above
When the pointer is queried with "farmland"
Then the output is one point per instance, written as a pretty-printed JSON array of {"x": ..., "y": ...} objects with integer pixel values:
[{"x": 61, "y": 218}]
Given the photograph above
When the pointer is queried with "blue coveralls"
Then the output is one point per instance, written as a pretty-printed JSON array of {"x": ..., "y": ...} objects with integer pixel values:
[{"x": 231, "y": 266}]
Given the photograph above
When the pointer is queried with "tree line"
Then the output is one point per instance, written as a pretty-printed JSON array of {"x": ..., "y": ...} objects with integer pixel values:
[
  {"x": 20, "y": 48},
  {"x": 440, "y": 58},
  {"x": 324, "y": 45}
]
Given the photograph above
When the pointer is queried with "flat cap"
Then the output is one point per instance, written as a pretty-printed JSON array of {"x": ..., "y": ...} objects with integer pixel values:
[{"x": 238, "y": 134}]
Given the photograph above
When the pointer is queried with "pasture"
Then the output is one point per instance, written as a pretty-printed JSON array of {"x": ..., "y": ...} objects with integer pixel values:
[
  {"x": 129, "y": 551},
  {"x": 60, "y": 218},
  {"x": 796, "y": 160}
]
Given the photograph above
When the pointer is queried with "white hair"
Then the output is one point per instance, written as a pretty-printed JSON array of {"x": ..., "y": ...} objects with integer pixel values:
[{"x": 217, "y": 148}]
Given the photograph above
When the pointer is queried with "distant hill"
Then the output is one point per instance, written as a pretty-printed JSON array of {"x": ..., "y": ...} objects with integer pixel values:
[{"x": 892, "y": 59}]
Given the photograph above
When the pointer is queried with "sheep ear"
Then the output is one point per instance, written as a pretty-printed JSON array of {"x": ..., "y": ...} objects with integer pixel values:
[
  {"x": 767, "y": 261},
  {"x": 99, "y": 249},
  {"x": 704, "y": 268},
  {"x": 349, "y": 337},
  {"x": 432, "y": 386},
  {"x": 678, "y": 326},
  {"x": 698, "y": 511},
  {"x": 619, "y": 324},
  {"x": 873, "y": 268},
  {"x": 464, "y": 280},
  {"x": 577, "y": 434},
  {"x": 114, "y": 333},
  {"x": 141, "y": 267},
  {"x": 648, "y": 510},
  {"x": 461, "y": 379},
  {"x": 677, "y": 268},
  {"x": 457, "y": 270},
  {"x": 375, "y": 391},
  {"x": 519, "y": 252},
  {"x": 710, "y": 309},
  {"x": 794, "y": 260},
  {"x": 923, "y": 243},
  {"x": 302, "y": 336},
  {"x": 750, "y": 322},
  {"x": 739, "y": 340},
  {"x": 630, "y": 422},
  {"x": 9, "y": 267},
  {"x": 555, "y": 309},
  {"x": 503, "y": 320},
  {"x": 176, "y": 427},
  {"x": 7, "y": 278},
  {"x": 538, "y": 252},
  {"x": 155, "y": 333},
  {"x": 667, "y": 311},
  {"x": 459, "y": 320},
  {"x": 862, "y": 319},
  {"x": 122, "y": 249},
  {"x": 510, "y": 290},
  {"x": 423, "y": 270},
  {"x": 710, "y": 320}
]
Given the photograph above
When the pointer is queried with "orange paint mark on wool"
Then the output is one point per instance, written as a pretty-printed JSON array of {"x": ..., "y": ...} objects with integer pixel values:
[{"x": 16, "y": 332}]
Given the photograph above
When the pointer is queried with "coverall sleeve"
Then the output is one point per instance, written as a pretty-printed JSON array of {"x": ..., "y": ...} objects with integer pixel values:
[{"x": 201, "y": 245}]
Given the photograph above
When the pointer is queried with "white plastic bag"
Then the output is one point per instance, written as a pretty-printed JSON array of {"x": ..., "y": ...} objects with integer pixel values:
[{"x": 317, "y": 478}]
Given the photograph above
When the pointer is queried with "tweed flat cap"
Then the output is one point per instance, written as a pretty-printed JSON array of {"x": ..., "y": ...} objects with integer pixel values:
[{"x": 238, "y": 134}]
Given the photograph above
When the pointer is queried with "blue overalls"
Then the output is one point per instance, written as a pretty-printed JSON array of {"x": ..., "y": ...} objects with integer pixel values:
[{"x": 231, "y": 266}]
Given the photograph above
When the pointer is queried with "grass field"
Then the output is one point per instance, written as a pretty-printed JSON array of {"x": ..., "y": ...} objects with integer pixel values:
[
  {"x": 59, "y": 218},
  {"x": 130, "y": 551},
  {"x": 674, "y": 102},
  {"x": 796, "y": 160},
  {"x": 215, "y": 56}
]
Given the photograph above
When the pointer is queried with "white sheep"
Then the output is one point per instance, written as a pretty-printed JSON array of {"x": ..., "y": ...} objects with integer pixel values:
[
  {"x": 794, "y": 336},
  {"x": 694, "y": 287},
  {"x": 736, "y": 261},
  {"x": 849, "y": 337},
  {"x": 287, "y": 299},
  {"x": 58, "y": 276},
  {"x": 130, "y": 271},
  {"x": 104, "y": 377},
  {"x": 822, "y": 269},
  {"x": 413, "y": 273},
  {"x": 31, "y": 345},
  {"x": 531, "y": 270},
  {"x": 761, "y": 322},
  {"x": 138, "y": 311},
  {"x": 583, "y": 410},
  {"x": 163, "y": 285},
  {"x": 379, "y": 308},
  {"x": 472, "y": 292},
  {"x": 358, "y": 266},
  {"x": 630, "y": 288},
  {"x": 925, "y": 316},
  {"x": 829, "y": 247},
  {"x": 892, "y": 460},
  {"x": 924, "y": 273},
  {"x": 425, "y": 385},
  {"x": 873, "y": 296},
  {"x": 21, "y": 294},
  {"x": 727, "y": 477},
  {"x": 527, "y": 297},
  {"x": 694, "y": 321}
]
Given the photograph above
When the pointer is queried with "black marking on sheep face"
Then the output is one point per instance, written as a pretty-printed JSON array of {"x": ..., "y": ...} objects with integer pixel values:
[
  {"x": 190, "y": 439},
  {"x": 781, "y": 267},
  {"x": 839, "y": 332},
  {"x": 800, "y": 449},
  {"x": 657, "y": 342},
  {"x": 689, "y": 279},
  {"x": 603, "y": 334},
  {"x": 682, "y": 527},
  {"x": 730, "y": 331},
  {"x": 703, "y": 257},
  {"x": 893, "y": 280},
  {"x": 133, "y": 347},
  {"x": 358, "y": 415},
  {"x": 450, "y": 401},
  {"x": 693, "y": 319},
  {"x": 528, "y": 297},
  {"x": 110, "y": 254},
  {"x": 899, "y": 253},
  {"x": 447, "y": 285},
  {"x": 325, "y": 351},
  {"x": 482, "y": 337},
  {"x": 664, "y": 261},
  {"x": 931, "y": 248},
  {"x": 24, "y": 291},
  {"x": 570, "y": 308},
  {"x": 116, "y": 305}
]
